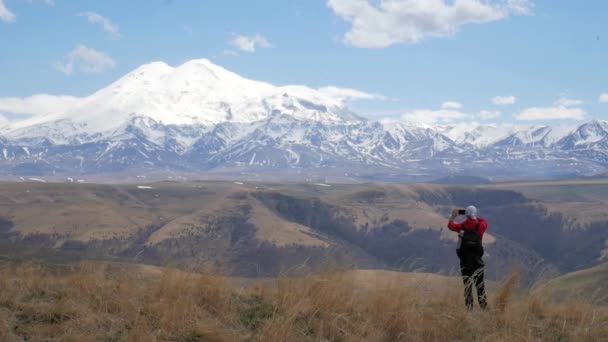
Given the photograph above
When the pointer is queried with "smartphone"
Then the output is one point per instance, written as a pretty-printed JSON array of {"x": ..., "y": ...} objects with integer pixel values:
[{"x": 462, "y": 212}]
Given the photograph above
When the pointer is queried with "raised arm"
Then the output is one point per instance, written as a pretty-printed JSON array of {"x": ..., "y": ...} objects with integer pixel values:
[{"x": 453, "y": 226}]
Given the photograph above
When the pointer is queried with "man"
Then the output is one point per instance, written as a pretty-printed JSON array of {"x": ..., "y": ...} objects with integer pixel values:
[{"x": 470, "y": 252}]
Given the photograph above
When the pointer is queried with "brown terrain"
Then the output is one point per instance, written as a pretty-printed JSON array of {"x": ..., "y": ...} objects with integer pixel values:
[
  {"x": 225, "y": 261},
  {"x": 261, "y": 229},
  {"x": 122, "y": 302}
]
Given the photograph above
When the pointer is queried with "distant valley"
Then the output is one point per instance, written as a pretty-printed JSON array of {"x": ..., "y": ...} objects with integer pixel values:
[{"x": 266, "y": 229}]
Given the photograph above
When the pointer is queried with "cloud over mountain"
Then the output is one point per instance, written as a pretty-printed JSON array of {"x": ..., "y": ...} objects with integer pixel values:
[
  {"x": 347, "y": 94},
  {"x": 551, "y": 113},
  {"x": 249, "y": 43},
  {"x": 86, "y": 60},
  {"x": 451, "y": 105},
  {"x": 503, "y": 100},
  {"x": 106, "y": 24},
  {"x": 380, "y": 24}
]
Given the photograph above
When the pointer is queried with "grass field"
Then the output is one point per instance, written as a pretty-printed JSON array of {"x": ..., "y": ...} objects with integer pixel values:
[
  {"x": 590, "y": 282},
  {"x": 104, "y": 302}
]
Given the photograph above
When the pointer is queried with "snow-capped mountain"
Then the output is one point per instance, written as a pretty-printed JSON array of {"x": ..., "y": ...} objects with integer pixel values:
[
  {"x": 197, "y": 93},
  {"x": 199, "y": 117}
]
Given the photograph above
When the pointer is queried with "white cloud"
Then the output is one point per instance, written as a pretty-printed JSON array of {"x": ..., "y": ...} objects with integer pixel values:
[
  {"x": 86, "y": 60},
  {"x": 346, "y": 94},
  {"x": 488, "y": 115},
  {"x": 3, "y": 120},
  {"x": 603, "y": 98},
  {"x": 104, "y": 22},
  {"x": 447, "y": 116},
  {"x": 38, "y": 104},
  {"x": 249, "y": 44},
  {"x": 551, "y": 113},
  {"x": 520, "y": 7},
  {"x": 5, "y": 14},
  {"x": 504, "y": 100},
  {"x": 451, "y": 105},
  {"x": 566, "y": 102},
  {"x": 9, "y": 17},
  {"x": 441, "y": 116},
  {"x": 382, "y": 23}
]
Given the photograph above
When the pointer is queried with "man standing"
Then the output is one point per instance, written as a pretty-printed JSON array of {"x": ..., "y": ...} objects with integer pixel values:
[{"x": 470, "y": 252}]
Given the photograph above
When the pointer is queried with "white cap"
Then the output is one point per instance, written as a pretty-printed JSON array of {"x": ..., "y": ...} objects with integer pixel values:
[{"x": 471, "y": 212}]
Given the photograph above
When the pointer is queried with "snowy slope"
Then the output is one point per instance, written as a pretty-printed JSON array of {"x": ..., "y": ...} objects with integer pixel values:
[
  {"x": 195, "y": 93},
  {"x": 199, "y": 117},
  {"x": 479, "y": 135}
]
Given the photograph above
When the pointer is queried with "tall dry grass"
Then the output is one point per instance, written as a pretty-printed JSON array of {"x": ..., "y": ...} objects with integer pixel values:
[{"x": 102, "y": 302}]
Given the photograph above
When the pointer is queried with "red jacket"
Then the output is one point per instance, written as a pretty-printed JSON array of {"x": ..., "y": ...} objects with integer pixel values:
[{"x": 469, "y": 224}]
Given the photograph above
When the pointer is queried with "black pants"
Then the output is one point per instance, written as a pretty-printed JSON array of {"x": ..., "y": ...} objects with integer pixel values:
[{"x": 472, "y": 269}]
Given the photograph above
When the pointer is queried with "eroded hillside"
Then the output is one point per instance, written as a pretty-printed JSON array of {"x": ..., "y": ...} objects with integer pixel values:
[{"x": 271, "y": 229}]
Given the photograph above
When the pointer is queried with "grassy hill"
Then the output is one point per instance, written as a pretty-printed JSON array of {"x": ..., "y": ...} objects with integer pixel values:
[
  {"x": 261, "y": 230},
  {"x": 588, "y": 285},
  {"x": 113, "y": 302}
]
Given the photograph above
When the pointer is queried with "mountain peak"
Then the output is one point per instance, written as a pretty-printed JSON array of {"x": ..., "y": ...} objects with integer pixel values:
[
  {"x": 201, "y": 62},
  {"x": 598, "y": 123},
  {"x": 196, "y": 92},
  {"x": 159, "y": 68},
  {"x": 207, "y": 68},
  {"x": 152, "y": 68}
]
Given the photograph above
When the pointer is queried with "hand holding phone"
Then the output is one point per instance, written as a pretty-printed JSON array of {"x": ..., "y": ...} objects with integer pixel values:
[{"x": 457, "y": 212}]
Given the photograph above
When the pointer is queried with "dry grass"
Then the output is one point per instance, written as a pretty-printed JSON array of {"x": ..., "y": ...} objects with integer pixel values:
[
  {"x": 280, "y": 232},
  {"x": 505, "y": 292},
  {"x": 101, "y": 302}
]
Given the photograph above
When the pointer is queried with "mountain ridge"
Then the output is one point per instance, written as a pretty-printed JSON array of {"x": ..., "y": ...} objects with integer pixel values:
[{"x": 198, "y": 117}]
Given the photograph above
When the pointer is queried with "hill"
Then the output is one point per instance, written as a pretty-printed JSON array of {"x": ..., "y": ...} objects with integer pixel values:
[
  {"x": 259, "y": 230},
  {"x": 110, "y": 302},
  {"x": 588, "y": 285}
]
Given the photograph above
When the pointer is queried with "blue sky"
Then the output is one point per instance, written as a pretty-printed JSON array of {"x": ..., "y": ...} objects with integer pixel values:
[{"x": 436, "y": 60}]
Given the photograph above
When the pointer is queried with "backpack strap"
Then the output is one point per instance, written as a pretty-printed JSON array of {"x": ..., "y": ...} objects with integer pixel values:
[
  {"x": 477, "y": 226},
  {"x": 477, "y": 229}
]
